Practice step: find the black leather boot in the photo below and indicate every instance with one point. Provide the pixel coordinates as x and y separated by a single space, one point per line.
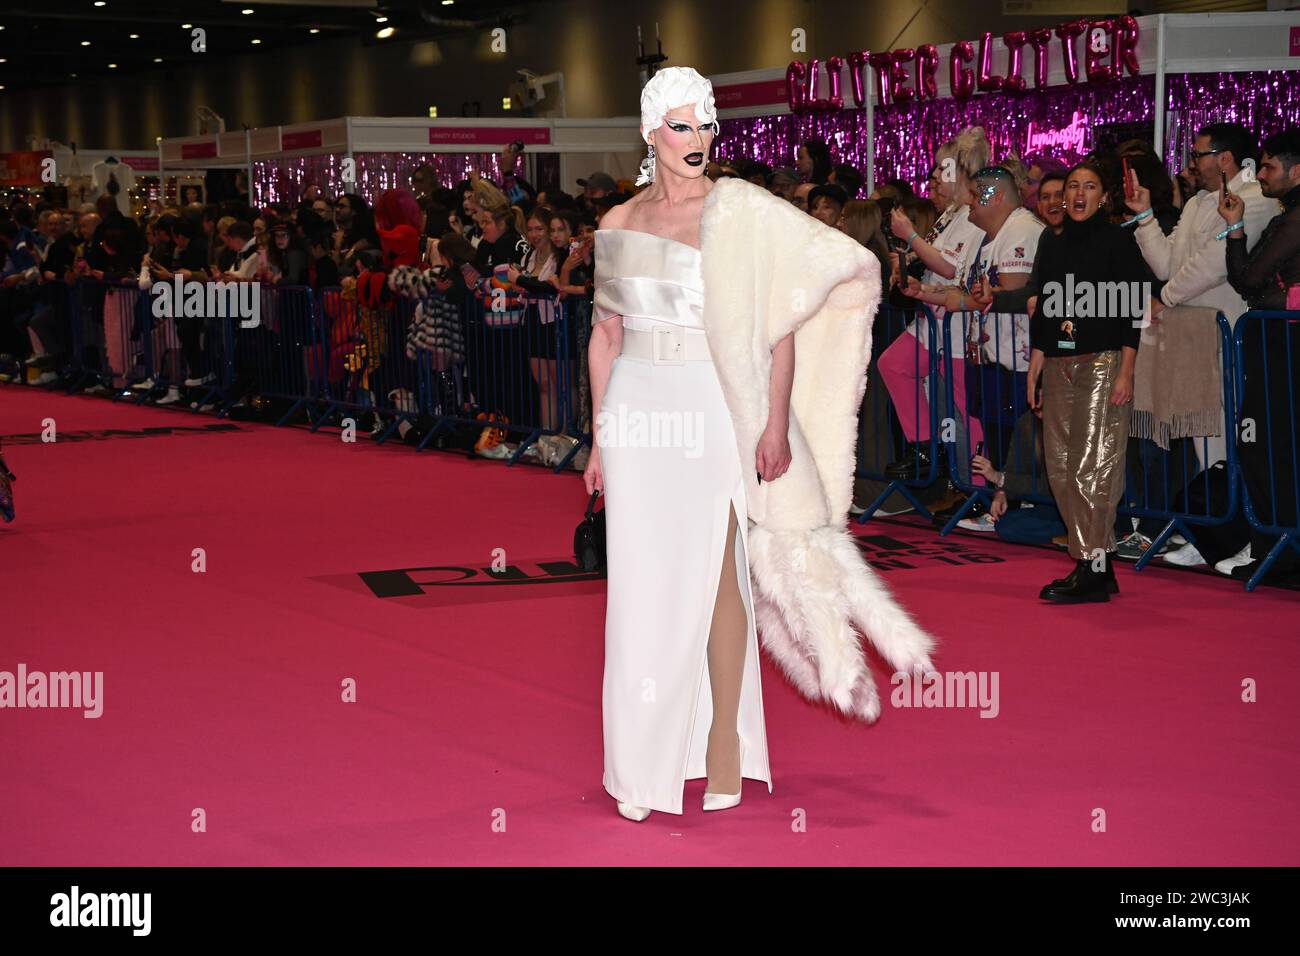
1112 586
912 465
1083 585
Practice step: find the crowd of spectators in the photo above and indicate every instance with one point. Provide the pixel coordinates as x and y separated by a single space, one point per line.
1221 236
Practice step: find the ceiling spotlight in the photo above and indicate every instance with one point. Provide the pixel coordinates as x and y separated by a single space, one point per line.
133 36
157 59
381 19
3 60
255 41
112 66
314 30
385 33
85 43
1 86
447 3
247 11
186 26
100 3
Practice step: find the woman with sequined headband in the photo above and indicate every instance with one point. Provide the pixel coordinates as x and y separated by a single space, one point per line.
723 514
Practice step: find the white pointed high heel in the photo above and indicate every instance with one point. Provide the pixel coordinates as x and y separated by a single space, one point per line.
724 801
633 812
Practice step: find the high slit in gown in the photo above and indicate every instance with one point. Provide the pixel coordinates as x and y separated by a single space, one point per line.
671 470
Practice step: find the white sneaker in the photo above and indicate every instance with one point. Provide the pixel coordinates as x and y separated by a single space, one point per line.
982 523
1239 559
1177 540
46 377
196 382
173 395
1185 557
143 386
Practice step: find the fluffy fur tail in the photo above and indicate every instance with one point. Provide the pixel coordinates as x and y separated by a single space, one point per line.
811 589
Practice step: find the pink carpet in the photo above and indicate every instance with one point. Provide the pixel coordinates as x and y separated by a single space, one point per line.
481 702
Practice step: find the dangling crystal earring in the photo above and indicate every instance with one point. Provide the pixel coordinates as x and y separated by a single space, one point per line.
647 168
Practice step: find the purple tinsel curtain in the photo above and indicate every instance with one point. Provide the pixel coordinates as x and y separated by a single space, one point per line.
906 136
1265 103
283 180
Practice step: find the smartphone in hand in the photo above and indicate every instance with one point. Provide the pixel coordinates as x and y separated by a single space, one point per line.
1128 182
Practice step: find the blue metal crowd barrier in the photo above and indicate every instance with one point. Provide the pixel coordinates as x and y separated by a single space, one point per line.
996 400
325 354
1267 347
881 434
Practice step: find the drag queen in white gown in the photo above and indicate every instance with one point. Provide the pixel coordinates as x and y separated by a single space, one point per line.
682 697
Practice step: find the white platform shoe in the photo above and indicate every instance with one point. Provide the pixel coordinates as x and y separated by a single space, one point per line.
724 801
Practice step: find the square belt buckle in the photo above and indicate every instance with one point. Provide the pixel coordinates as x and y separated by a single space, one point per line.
669 346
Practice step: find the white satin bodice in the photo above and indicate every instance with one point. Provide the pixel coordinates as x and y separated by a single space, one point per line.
648 280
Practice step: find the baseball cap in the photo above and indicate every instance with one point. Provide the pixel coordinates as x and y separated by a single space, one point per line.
600 180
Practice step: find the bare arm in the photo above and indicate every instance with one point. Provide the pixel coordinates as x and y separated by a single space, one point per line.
773 458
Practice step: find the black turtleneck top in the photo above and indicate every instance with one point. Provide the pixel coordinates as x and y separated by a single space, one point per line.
1092 284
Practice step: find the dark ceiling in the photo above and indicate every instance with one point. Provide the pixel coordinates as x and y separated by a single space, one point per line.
46 42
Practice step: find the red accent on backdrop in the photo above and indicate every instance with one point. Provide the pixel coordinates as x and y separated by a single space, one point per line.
740 95
302 139
22 169
488 135
198 150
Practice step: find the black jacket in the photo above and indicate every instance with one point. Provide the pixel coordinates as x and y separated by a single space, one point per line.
1255 274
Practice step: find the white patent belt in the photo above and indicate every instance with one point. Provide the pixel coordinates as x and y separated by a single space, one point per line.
667 345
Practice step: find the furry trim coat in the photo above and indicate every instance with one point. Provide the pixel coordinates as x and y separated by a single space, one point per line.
770 269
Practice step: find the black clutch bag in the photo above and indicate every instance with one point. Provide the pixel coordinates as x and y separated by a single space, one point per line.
589 538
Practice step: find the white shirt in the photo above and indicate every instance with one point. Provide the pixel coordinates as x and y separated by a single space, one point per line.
958 244
1192 261
100 174
1011 251
545 307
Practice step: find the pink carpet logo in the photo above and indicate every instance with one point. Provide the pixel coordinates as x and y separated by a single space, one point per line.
83 690
956 689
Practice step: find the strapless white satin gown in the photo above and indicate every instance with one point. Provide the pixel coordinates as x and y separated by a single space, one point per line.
666 523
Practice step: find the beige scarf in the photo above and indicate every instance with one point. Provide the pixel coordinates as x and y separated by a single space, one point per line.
1178 382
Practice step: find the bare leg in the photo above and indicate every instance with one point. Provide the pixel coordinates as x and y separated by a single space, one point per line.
728 632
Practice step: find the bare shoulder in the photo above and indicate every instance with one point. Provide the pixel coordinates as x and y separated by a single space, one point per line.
620 216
